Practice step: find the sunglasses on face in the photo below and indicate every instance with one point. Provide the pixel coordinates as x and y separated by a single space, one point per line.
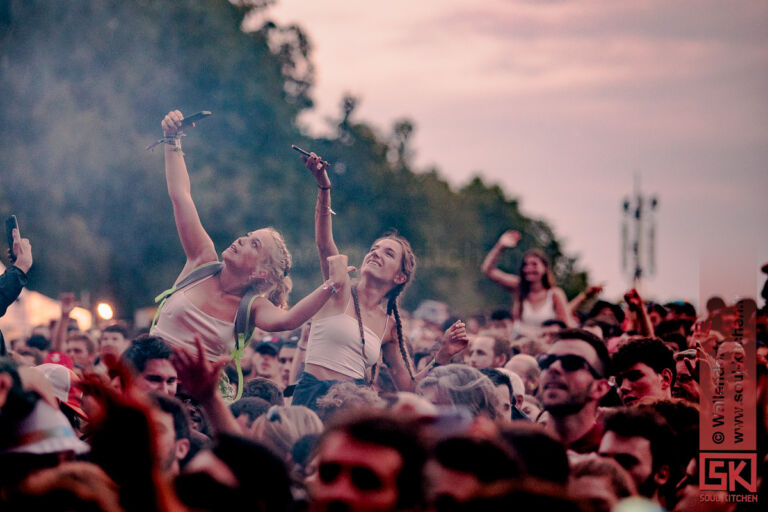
569 362
364 479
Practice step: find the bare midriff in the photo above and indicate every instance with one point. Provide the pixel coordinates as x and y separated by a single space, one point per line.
323 373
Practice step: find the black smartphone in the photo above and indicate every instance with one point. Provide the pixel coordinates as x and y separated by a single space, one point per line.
11 223
299 150
187 121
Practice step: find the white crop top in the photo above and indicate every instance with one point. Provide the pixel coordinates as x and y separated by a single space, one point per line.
180 320
531 320
334 343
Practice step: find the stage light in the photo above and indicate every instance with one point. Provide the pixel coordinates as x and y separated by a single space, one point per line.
104 311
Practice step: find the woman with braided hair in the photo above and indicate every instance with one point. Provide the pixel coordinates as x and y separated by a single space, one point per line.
361 323
255 265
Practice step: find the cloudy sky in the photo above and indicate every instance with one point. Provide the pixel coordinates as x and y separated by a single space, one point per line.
563 103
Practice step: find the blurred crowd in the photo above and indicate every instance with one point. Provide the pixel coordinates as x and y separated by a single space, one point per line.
594 406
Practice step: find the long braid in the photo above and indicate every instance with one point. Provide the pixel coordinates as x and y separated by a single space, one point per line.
356 303
392 307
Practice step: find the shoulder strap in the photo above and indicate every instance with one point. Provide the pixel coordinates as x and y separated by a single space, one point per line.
206 269
243 335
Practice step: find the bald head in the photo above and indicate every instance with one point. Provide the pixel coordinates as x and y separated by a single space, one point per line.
528 369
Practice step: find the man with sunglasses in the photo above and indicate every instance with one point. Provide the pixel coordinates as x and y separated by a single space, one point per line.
574 378
368 464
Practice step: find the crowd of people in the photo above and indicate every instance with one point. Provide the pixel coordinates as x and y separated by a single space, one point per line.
344 402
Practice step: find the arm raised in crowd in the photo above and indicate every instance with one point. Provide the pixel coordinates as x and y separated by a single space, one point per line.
198 246
508 240
200 378
15 277
323 224
271 318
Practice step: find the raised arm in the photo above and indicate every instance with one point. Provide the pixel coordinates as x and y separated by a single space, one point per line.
639 314
509 281
271 318
323 224
197 245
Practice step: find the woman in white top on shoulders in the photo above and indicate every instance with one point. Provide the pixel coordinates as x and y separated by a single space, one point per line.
362 320
537 299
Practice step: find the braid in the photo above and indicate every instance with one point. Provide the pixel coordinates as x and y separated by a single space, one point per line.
356 303
392 306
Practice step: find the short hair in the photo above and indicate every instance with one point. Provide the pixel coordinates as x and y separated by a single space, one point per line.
646 423
501 314
602 304
144 348
462 385
487 460
282 426
499 378
178 410
252 406
401 435
347 396
118 328
263 388
715 302
90 346
541 454
619 480
678 339
39 342
593 341
287 344
650 351
502 346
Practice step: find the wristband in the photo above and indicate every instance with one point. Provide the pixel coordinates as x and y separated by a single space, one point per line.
324 188
329 285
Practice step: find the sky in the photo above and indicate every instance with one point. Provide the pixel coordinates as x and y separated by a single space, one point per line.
566 105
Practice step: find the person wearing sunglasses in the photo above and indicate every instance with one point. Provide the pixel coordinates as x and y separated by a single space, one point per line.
574 377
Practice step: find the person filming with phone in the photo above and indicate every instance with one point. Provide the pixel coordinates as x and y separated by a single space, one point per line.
15 276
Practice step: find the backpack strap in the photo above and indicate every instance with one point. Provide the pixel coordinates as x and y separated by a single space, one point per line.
204 270
243 335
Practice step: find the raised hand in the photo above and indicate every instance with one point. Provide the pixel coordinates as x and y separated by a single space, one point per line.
68 303
23 251
199 376
317 166
633 300
454 341
594 290
171 123
509 239
338 270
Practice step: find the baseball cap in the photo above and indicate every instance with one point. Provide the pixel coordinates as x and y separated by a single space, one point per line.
66 385
267 347
45 430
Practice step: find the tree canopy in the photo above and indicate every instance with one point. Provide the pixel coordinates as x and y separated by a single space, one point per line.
84 85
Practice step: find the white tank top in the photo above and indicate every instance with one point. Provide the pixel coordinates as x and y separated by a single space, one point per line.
180 320
531 320
334 343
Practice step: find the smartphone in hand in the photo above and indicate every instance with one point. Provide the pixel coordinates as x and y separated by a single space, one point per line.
11 223
300 151
188 121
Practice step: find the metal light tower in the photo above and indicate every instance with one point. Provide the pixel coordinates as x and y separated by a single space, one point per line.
639 216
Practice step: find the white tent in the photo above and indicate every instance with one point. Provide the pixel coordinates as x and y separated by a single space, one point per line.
33 308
